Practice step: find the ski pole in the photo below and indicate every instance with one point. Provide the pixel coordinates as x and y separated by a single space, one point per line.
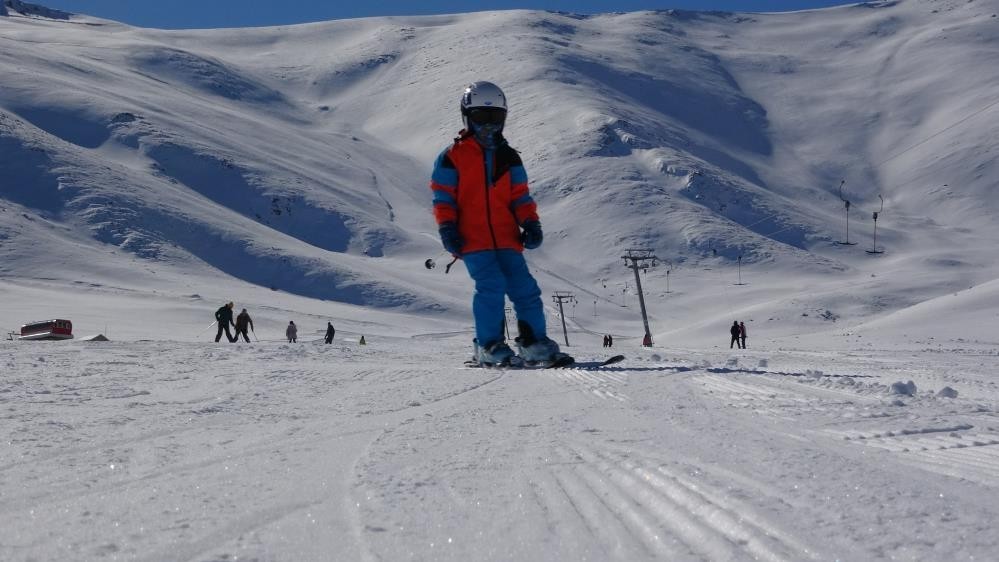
209 327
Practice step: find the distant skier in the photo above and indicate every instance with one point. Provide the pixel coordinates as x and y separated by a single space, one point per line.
243 321
329 332
610 340
647 340
735 331
742 334
291 332
223 316
486 216
606 343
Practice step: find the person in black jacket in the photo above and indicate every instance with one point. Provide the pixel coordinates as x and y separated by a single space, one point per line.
736 332
224 318
329 332
243 321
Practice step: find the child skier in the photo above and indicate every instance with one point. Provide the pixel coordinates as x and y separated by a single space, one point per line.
486 216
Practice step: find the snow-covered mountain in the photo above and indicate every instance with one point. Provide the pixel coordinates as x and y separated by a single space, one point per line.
289 165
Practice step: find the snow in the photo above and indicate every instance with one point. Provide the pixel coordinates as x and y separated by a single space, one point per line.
148 176
195 451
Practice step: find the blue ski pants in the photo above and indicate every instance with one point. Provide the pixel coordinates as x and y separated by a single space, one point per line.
497 274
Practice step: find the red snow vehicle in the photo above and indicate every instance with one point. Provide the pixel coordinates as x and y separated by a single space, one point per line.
47 330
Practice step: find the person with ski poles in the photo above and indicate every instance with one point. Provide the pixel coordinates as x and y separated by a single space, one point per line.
291 332
223 316
243 321
486 216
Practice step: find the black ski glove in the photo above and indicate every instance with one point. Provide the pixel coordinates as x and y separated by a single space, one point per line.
532 236
451 238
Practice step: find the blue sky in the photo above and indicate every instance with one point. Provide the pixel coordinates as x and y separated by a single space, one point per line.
240 13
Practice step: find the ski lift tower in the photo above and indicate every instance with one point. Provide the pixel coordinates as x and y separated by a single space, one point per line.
846 203
641 259
560 297
874 249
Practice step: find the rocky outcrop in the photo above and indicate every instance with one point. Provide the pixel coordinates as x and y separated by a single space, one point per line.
24 8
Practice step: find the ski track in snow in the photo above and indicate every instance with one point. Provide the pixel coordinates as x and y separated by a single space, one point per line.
645 509
603 385
960 451
173 451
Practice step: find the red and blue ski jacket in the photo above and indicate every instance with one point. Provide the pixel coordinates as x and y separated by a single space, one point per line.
485 192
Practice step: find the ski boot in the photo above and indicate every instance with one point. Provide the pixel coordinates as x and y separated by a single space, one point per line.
497 354
543 353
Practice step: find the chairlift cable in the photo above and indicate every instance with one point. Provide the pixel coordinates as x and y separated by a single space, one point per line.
938 133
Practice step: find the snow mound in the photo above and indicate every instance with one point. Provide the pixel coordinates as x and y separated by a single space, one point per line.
98 337
947 392
903 388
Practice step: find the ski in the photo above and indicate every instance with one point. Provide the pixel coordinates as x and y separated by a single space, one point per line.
566 362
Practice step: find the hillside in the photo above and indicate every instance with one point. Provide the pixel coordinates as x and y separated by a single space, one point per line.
287 166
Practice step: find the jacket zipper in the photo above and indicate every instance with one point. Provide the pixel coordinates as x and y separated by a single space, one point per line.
488 183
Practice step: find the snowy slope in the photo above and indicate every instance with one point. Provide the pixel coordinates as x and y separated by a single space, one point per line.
172 451
148 176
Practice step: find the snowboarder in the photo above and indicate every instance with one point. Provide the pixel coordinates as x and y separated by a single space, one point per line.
742 334
223 316
243 321
735 331
291 332
486 216
329 332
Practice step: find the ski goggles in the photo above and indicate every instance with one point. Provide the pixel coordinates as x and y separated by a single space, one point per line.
487 115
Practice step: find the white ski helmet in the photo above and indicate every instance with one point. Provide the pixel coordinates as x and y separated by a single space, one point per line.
481 95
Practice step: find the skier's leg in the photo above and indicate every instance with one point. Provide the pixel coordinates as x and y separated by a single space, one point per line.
490 289
218 336
525 295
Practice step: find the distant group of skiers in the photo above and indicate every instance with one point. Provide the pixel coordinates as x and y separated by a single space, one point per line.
608 341
223 317
738 331
243 324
